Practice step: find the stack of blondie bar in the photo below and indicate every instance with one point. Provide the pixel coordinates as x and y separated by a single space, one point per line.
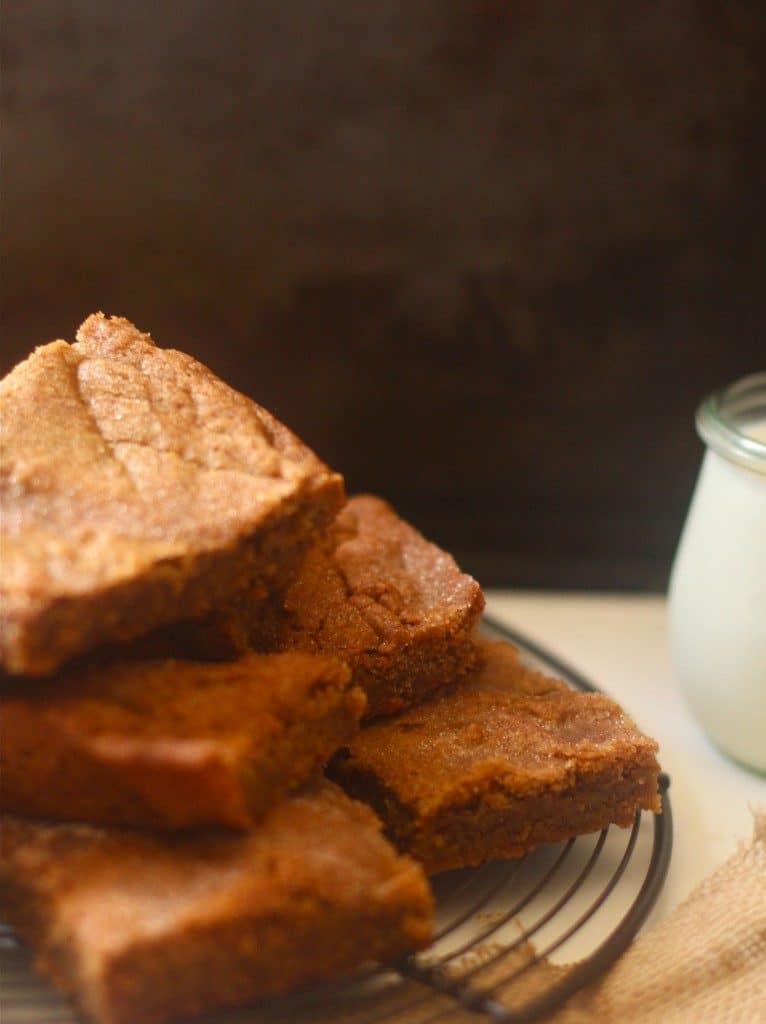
241 717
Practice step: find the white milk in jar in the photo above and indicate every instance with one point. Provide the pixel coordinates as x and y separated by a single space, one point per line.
717 599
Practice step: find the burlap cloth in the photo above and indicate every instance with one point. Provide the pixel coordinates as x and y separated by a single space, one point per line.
705 963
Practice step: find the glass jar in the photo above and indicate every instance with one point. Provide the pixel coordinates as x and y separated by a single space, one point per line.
717 598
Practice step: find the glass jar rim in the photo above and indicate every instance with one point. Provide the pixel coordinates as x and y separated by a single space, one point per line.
719 421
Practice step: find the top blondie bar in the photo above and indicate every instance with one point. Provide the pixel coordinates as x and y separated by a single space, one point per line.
138 489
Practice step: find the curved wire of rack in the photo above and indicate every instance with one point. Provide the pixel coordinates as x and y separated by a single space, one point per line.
497 927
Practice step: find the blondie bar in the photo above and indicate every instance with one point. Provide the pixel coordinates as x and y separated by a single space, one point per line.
140 927
173 744
139 489
375 593
505 762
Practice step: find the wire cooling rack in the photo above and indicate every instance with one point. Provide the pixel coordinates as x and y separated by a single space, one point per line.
514 939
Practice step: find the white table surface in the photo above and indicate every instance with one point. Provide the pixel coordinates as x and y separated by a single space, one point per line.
619 643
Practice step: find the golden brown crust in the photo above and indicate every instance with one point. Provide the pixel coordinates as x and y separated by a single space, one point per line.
172 744
500 765
377 594
139 489
139 928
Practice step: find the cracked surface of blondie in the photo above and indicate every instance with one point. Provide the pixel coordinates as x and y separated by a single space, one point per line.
139 489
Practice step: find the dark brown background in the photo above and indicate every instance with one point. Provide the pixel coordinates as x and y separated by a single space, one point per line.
484 256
